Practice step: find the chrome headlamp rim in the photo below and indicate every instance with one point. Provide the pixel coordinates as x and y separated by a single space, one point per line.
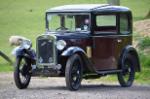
26 44
61 44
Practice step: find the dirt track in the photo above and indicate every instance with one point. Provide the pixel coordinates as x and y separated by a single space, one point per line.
54 88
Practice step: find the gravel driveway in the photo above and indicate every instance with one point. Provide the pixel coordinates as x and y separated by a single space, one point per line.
55 88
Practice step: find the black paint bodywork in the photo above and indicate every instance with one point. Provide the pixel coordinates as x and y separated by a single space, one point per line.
77 42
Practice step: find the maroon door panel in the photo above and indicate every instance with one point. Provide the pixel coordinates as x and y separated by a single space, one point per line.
106 51
103 54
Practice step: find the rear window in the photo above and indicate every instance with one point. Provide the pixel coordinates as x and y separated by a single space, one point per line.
106 24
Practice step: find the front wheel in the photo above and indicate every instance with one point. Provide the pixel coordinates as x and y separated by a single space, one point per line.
73 72
126 77
21 73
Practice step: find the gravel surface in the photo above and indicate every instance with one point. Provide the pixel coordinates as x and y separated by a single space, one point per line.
142 27
55 88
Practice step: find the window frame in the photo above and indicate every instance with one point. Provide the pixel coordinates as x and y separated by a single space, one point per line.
103 22
129 24
73 13
105 33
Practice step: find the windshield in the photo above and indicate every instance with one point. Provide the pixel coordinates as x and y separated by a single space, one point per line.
68 22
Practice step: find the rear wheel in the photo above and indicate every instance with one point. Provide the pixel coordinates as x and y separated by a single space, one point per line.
126 77
73 72
21 74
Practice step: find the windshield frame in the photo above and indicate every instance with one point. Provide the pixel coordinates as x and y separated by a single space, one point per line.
68 13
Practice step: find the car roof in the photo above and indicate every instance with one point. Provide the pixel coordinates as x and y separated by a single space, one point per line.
88 8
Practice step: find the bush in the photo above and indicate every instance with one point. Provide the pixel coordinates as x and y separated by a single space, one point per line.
144 43
144 59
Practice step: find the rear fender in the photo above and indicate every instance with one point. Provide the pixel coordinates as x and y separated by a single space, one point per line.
130 49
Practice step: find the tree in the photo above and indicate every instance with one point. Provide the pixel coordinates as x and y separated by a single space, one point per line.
148 14
113 2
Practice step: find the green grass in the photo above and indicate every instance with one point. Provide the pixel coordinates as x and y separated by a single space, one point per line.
139 8
4 66
26 18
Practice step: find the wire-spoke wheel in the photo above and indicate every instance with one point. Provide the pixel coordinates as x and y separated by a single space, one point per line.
73 72
126 77
21 74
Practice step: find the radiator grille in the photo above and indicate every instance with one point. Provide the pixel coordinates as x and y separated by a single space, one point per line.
45 51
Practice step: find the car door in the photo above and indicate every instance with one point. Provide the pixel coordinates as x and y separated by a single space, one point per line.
112 33
105 41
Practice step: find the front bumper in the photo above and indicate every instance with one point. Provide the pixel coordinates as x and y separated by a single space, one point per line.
47 71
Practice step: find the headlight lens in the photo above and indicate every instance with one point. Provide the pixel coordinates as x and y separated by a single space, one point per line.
26 44
61 44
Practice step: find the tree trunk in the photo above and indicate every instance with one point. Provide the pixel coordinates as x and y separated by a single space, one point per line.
6 57
113 2
148 15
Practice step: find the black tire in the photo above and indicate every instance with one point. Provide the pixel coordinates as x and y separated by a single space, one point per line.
126 77
21 73
73 72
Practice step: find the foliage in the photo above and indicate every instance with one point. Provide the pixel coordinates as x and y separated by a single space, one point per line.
144 51
144 43
145 61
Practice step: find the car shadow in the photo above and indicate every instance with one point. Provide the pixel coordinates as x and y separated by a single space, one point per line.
48 88
95 87
104 87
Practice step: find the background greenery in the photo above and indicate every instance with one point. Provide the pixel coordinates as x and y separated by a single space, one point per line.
26 18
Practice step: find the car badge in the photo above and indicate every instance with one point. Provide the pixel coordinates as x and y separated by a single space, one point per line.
43 44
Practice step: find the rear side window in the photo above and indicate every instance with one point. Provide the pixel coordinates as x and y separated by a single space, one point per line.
106 20
106 24
124 24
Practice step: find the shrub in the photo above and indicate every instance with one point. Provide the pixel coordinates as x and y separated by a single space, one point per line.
144 43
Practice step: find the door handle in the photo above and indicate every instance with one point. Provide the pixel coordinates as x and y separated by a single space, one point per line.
119 40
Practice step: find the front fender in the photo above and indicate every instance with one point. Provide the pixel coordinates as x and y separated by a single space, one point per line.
72 50
20 52
130 49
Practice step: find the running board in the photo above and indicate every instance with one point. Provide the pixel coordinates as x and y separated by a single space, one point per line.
102 72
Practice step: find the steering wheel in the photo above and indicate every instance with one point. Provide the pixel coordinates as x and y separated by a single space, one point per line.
62 28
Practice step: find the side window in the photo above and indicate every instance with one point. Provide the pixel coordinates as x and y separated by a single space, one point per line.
124 24
82 22
106 24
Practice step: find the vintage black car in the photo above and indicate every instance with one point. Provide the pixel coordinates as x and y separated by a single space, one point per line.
81 41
